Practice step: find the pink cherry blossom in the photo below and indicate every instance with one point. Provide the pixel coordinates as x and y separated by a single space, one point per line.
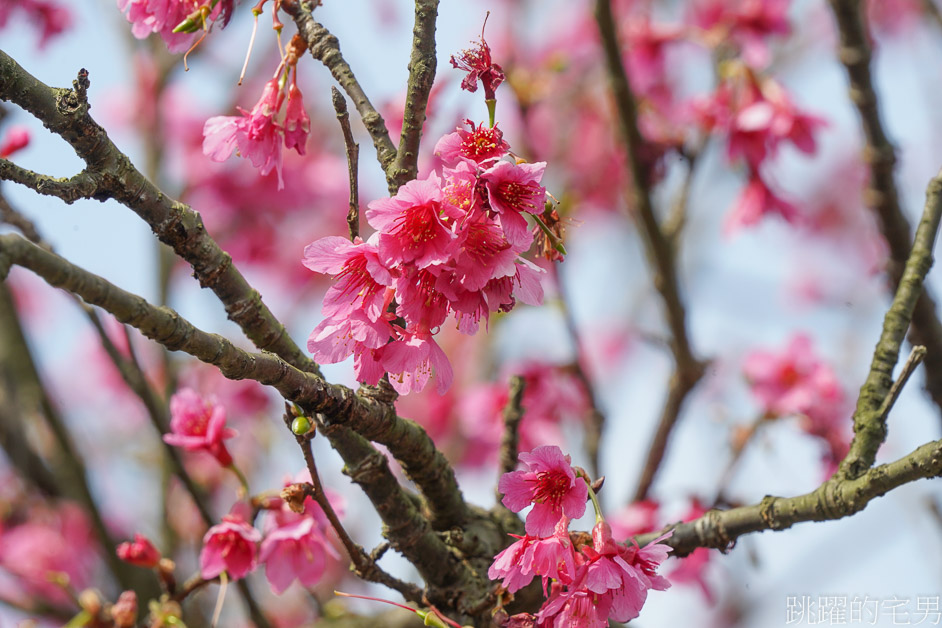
531 556
296 550
162 16
480 145
412 224
476 61
198 425
297 122
124 611
360 278
15 139
550 484
257 134
230 546
49 17
482 253
568 608
140 552
410 363
755 202
513 189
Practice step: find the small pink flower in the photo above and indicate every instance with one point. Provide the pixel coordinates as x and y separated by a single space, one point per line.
477 63
550 484
513 189
412 224
482 253
756 202
297 122
16 139
230 546
480 145
140 552
296 550
360 278
198 425
572 607
162 16
410 363
257 135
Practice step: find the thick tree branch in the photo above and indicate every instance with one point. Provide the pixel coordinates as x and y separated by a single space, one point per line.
687 368
65 112
422 65
869 420
325 48
835 499
882 195
408 531
365 566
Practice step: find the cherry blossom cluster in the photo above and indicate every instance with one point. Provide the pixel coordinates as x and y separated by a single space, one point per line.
175 21
444 245
261 134
795 381
587 582
756 116
49 17
294 544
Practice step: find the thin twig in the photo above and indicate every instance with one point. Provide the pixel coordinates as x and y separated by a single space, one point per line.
353 161
687 368
325 48
513 414
596 426
365 567
916 356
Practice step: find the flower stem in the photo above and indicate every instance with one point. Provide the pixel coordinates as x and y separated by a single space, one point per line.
491 110
595 503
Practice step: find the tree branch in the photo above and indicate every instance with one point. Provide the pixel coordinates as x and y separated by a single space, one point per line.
65 112
835 499
353 161
408 531
869 422
325 48
687 369
882 195
422 65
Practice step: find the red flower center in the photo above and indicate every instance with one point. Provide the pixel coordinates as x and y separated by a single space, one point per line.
551 486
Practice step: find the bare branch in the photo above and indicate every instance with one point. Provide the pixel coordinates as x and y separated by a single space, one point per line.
325 48
422 65
882 195
687 369
353 161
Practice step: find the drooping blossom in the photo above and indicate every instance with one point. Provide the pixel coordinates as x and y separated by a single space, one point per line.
295 546
198 425
550 484
50 18
412 224
480 145
15 139
530 556
256 134
230 546
140 552
477 62
297 122
410 362
755 202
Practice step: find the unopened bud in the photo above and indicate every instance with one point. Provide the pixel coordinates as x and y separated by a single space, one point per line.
90 602
294 495
301 425
124 611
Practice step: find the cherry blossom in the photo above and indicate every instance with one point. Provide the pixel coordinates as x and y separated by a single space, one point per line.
230 546
550 484
15 139
198 425
140 552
